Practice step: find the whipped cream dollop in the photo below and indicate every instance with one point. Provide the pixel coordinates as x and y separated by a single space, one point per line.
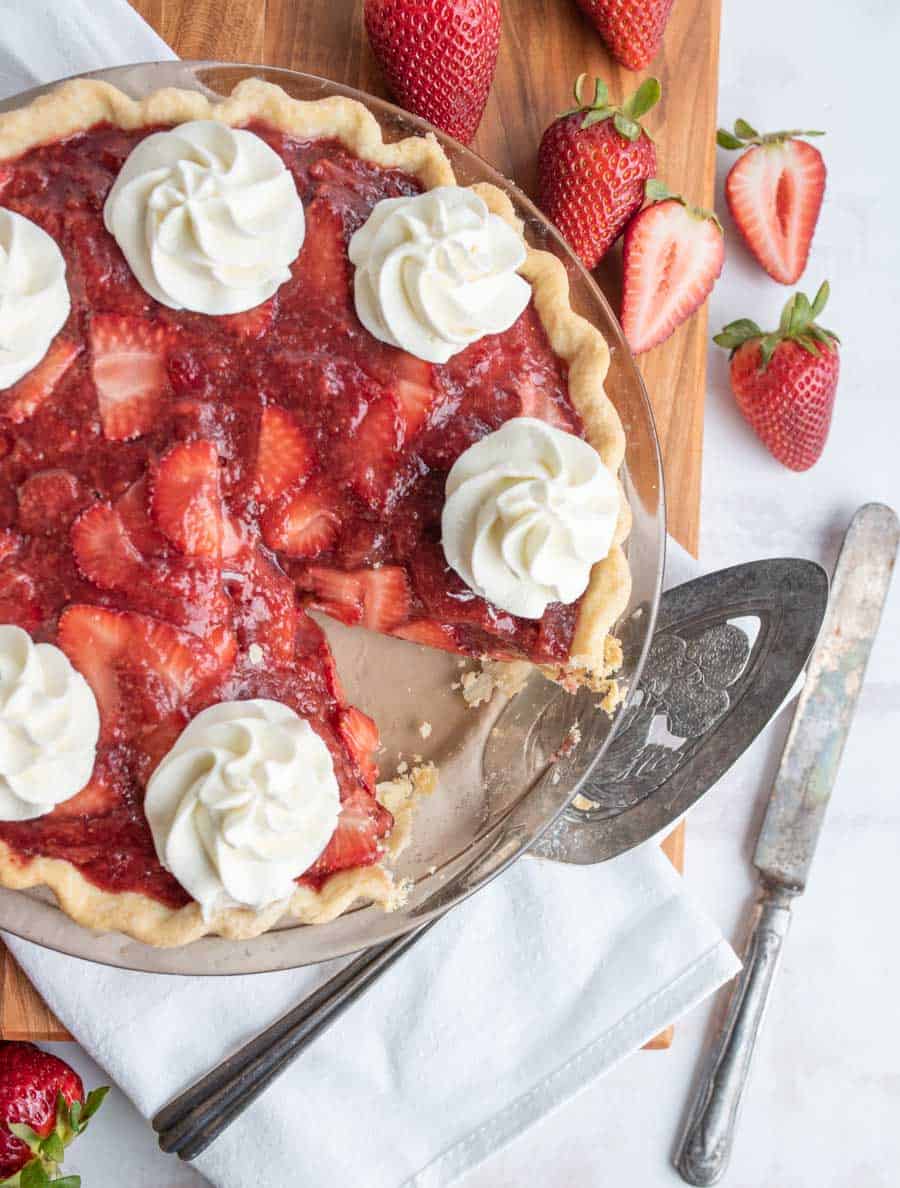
49 726
34 297
245 801
528 510
437 271
207 216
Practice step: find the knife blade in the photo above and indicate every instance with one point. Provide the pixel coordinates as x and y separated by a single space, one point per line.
827 703
792 825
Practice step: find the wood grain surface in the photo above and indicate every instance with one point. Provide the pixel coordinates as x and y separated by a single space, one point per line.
545 45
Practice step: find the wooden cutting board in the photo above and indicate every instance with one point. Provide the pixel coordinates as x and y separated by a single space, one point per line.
545 45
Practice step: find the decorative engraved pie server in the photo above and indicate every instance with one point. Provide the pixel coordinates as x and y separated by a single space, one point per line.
793 822
727 650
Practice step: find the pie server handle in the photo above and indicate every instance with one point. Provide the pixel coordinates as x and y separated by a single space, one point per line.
194 1119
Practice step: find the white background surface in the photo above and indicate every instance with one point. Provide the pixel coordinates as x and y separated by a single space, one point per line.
823 1106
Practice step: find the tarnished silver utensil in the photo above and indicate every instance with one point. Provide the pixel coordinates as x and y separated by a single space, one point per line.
792 825
727 650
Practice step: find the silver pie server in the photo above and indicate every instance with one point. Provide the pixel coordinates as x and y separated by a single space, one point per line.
792 825
728 648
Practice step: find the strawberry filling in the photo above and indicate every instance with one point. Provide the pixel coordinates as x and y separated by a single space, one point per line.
177 490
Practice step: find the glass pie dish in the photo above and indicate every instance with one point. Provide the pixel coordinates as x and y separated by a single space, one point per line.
507 768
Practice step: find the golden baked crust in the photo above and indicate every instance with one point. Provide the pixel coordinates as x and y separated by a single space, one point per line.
80 104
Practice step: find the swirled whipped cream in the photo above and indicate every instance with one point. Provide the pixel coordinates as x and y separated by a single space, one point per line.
49 726
528 510
34 297
207 216
437 271
245 801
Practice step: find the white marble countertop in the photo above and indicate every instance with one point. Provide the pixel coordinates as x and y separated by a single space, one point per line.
825 1095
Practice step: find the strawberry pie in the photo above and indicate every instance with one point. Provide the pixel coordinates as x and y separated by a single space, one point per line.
257 363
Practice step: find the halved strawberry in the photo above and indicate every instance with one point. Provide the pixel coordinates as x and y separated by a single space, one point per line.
186 503
139 668
428 632
24 399
774 193
375 598
360 735
284 456
361 824
252 323
129 369
104 552
673 254
303 525
49 500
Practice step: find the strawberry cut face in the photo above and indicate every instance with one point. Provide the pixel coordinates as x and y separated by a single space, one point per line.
180 490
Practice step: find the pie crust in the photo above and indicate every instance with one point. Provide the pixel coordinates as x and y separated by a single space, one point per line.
78 105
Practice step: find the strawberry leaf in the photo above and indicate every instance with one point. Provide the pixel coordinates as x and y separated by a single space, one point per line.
656 190
601 93
93 1103
53 1148
646 96
66 1182
725 140
34 1175
595 117
821 299
29 1137
75 1116
744 130
626 127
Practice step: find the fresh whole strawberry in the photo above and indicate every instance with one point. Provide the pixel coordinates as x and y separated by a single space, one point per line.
593 164
785 381
774 193
673 254
632 29
438 57
42 1108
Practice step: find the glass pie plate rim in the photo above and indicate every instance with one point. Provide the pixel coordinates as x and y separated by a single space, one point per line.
35 916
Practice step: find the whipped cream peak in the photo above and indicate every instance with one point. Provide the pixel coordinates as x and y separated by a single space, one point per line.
49 726
529 509
244 802
207 216
34 297
437 271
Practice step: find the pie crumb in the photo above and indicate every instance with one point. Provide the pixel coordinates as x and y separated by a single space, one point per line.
255 654
582 802
400 797
425 729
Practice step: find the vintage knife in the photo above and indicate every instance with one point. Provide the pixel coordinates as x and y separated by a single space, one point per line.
792 824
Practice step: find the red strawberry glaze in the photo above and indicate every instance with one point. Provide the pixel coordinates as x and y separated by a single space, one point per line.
163 509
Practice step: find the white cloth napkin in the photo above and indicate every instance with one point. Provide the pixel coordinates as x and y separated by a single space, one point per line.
541 982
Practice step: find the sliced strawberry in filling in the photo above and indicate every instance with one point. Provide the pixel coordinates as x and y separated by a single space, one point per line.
430 633
284 457
140 669
360 734
302 525
49 500
374 598
355 841
33 390
129 370
186 503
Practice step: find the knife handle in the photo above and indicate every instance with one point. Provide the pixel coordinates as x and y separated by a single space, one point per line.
705 1146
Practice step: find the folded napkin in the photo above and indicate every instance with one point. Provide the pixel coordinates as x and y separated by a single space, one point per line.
541 982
